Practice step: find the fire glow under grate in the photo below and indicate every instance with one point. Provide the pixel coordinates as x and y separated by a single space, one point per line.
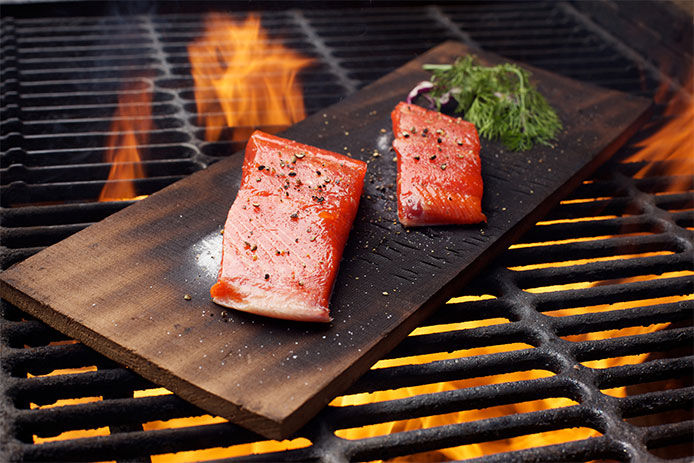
575 345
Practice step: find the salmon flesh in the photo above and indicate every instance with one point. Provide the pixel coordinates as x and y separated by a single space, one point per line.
439 170
286 230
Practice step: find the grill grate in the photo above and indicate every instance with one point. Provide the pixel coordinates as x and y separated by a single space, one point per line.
567 329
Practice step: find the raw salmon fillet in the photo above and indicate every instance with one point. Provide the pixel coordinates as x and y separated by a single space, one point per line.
287 228
439 169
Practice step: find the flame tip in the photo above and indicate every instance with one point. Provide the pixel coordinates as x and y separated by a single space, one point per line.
243 78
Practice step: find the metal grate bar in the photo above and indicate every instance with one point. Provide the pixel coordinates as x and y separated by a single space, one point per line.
49 389
132 444
635 344
455 369
468 433
583 450
451 401
610 294
657 401
49 421
586 323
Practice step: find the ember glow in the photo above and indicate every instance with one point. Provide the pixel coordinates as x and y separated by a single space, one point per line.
244 79
131 124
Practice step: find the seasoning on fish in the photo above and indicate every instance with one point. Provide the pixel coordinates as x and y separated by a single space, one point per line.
283 213
439 177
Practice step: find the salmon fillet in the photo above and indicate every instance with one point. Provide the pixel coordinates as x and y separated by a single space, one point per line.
286 230
439 178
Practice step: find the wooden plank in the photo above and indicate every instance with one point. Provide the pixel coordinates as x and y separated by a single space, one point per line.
118 285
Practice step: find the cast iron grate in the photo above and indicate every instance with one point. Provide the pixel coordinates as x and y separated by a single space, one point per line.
526 316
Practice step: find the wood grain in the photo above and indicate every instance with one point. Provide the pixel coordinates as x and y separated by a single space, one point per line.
119 285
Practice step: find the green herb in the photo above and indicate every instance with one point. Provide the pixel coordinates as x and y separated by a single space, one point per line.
499 100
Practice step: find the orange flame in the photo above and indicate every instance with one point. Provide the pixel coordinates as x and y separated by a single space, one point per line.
131 124
243 79
674 141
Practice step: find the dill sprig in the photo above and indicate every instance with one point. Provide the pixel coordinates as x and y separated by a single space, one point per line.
499 100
